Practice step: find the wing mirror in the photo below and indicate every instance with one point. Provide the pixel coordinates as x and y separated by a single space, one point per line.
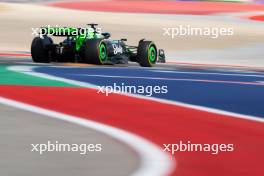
106 35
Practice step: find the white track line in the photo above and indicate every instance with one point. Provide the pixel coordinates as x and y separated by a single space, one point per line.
154 162
171 79
216 65
29 70
211 73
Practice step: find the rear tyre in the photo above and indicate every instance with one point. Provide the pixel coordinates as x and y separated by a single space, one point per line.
95 52
39 51
147 53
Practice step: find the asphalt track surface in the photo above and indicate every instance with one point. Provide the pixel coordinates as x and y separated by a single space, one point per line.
20 129
204 104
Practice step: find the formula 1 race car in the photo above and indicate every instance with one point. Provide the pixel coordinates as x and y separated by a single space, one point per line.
89 45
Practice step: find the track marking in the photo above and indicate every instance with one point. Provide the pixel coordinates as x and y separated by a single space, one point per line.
29 70
209 73
15 54
154 162
173 79
216 65
159 7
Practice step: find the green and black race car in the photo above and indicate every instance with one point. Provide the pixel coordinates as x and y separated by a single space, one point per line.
88 45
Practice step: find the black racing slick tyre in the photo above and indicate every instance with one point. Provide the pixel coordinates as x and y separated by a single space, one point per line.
94 51
39 51
147 53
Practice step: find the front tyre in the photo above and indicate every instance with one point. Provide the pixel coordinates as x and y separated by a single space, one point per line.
95 51
39 51
147 53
